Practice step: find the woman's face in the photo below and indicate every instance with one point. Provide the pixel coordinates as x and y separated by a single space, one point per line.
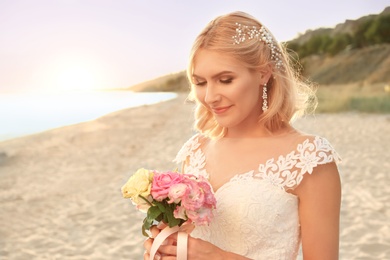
228 89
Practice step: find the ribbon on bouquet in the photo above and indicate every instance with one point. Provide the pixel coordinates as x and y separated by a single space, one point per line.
182 238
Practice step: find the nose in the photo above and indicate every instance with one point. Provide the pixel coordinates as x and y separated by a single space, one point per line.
212 95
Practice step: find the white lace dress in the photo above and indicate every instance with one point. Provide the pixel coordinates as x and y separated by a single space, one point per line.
255 216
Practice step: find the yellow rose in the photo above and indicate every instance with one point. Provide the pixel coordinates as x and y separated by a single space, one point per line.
138 184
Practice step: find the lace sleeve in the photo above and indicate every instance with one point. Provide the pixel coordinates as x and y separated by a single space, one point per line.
185 151
192 157
312 153
287 171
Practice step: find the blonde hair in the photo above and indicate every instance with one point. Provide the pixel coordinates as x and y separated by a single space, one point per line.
288 95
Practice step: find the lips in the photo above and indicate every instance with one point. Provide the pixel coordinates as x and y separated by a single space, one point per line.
220 110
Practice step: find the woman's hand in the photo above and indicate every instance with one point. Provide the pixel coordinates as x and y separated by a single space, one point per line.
155 230
197 249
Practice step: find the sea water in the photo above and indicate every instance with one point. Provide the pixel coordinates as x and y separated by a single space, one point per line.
28 113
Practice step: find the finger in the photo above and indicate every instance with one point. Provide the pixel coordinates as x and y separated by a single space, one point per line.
187 227
155 231
157 256
168 250
168 258
172 239
146 256
161 225
148 244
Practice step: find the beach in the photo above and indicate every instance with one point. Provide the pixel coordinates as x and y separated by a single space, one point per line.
60 189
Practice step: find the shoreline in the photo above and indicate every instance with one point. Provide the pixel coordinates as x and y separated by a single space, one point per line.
60 190
35 113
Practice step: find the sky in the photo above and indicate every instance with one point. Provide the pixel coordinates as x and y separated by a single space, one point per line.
93 44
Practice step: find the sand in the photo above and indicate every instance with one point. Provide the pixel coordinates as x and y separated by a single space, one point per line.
60 190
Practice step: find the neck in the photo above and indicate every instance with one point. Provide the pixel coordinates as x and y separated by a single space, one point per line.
258 131
249 132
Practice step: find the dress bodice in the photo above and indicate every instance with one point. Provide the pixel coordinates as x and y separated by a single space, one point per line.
255 215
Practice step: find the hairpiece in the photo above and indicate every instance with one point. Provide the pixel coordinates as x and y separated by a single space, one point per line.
243 32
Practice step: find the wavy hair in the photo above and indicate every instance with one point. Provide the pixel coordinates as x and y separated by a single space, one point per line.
288 95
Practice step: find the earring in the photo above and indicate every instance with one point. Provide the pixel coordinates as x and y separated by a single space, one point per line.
265 101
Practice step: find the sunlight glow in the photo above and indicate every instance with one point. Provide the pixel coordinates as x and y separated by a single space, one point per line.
74 73
77 78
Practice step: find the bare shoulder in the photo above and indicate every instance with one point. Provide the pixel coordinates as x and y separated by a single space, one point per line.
300 136
319 212
290 139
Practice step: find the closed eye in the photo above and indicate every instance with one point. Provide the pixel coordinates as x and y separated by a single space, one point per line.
200 83
226 81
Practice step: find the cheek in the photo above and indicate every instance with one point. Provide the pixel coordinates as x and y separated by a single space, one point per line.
199 94
249 92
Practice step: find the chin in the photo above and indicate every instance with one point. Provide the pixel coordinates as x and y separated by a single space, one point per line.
225 123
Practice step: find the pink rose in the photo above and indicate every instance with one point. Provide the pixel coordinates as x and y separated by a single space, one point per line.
194 198
199 202
209 200
202 216
177 192
162 183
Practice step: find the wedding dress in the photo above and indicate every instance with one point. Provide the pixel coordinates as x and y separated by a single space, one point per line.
255 215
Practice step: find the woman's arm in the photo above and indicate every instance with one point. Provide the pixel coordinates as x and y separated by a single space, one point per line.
319 212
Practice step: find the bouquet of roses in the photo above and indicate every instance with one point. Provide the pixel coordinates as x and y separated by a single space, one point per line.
171 197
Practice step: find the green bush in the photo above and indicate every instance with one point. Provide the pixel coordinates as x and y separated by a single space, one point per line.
379 104
370 99
374 30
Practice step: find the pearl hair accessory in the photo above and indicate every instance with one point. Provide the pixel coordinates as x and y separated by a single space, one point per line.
244 32
265 101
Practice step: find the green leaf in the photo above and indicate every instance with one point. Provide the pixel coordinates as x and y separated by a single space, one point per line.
144 231
160 217
165 218
175 222
147 223
171 220
161 205
153 212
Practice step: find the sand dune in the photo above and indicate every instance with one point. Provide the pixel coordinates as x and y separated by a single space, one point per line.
60 190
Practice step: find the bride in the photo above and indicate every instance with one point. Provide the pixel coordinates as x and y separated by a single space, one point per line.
277 188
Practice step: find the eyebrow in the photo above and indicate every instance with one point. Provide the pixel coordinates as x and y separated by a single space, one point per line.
216 75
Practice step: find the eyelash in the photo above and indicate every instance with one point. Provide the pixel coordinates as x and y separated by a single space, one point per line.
203 83
226 81
200 83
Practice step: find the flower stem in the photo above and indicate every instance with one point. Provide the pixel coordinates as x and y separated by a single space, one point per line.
142 197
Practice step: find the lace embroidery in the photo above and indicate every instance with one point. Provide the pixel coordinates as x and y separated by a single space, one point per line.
243 176
286 172
197 161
